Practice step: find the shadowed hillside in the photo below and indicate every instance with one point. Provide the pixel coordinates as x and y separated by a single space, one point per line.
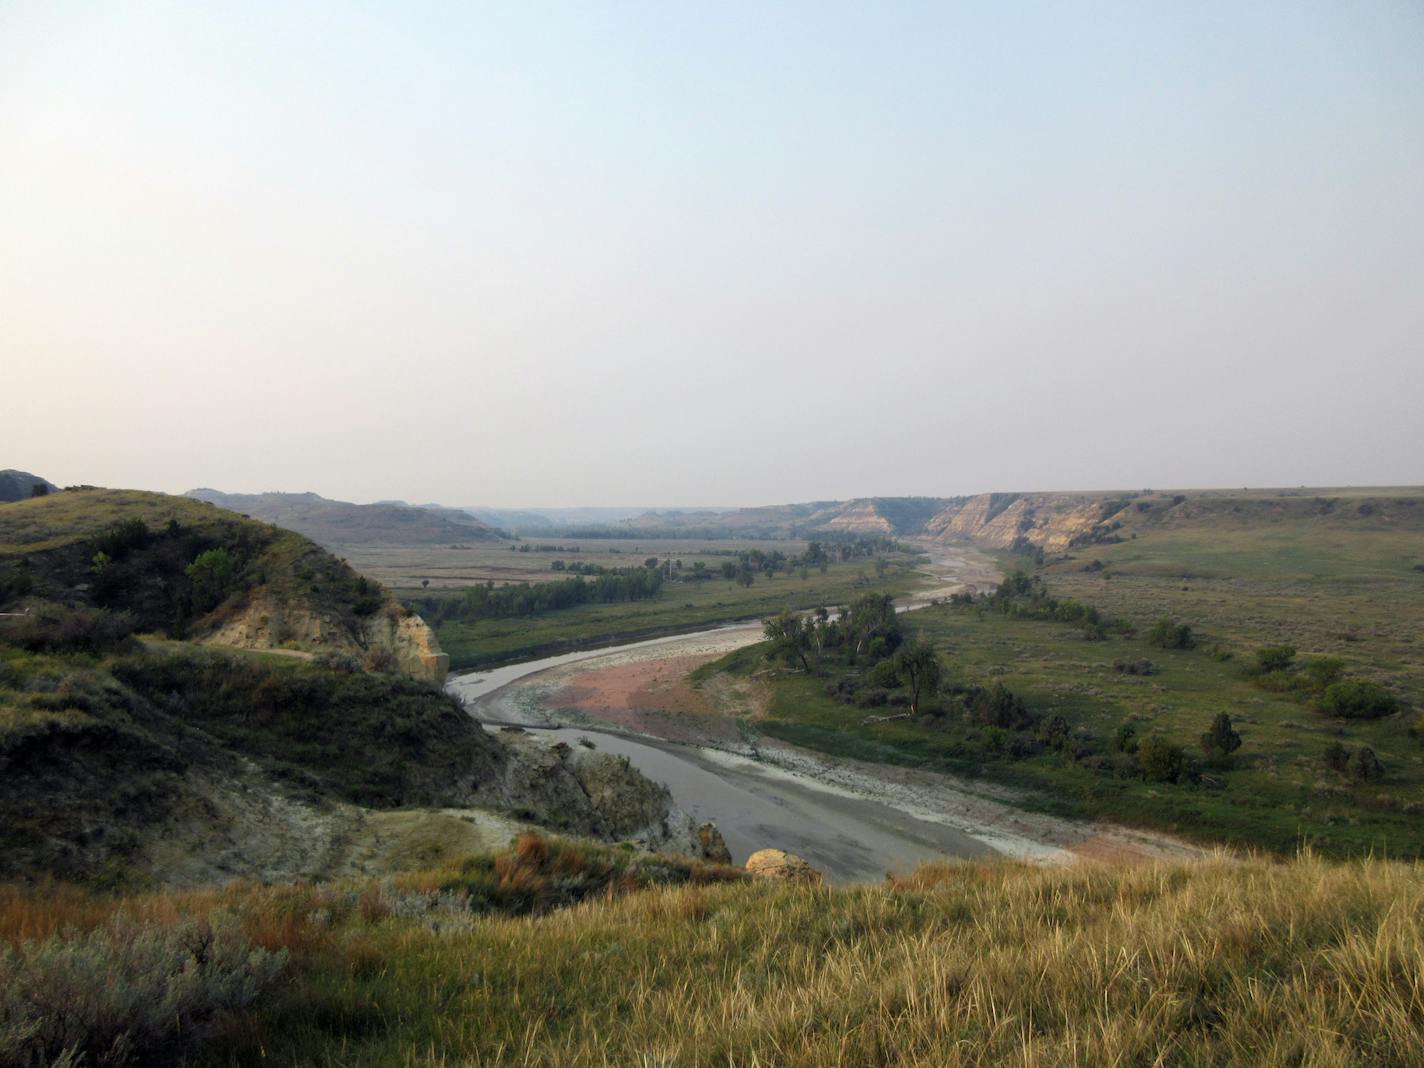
21 485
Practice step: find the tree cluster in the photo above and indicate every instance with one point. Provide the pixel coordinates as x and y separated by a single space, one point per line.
488 601
1024 596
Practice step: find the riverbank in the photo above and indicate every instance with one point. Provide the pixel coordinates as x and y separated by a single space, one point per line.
855 819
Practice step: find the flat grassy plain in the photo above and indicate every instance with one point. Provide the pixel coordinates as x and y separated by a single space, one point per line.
1304 963
403 567
1275 571
681 604
1244 574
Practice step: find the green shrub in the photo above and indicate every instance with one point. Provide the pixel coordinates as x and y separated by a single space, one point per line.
1275 658
1365 766
1161 760
1135 667
1167 633
1336 757
78 630
997 707
1221 740
1358 699
122 538
1322 671
125 994
212 573
1125 738
539 874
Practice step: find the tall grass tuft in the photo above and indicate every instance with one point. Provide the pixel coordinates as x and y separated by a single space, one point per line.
1308 963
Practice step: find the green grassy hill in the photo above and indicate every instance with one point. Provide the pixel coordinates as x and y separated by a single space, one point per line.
137 747
131 551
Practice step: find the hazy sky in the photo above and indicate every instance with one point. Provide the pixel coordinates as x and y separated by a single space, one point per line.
674 253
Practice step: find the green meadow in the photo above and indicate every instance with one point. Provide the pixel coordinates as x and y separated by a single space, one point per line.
1244 575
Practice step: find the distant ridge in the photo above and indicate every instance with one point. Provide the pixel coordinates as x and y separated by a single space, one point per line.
535 520
20 485
336 523
860 516
1053 522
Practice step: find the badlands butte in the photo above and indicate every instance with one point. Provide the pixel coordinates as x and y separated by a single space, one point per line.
1054 522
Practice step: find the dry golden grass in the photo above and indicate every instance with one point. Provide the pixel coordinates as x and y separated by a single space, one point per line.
1222 962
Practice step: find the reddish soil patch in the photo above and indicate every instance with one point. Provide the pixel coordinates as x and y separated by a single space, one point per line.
651 697
640 686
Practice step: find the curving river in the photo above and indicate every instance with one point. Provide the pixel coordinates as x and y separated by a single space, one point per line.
755 805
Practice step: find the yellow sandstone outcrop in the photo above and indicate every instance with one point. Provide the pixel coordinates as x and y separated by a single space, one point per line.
776 864
1051 521
272 621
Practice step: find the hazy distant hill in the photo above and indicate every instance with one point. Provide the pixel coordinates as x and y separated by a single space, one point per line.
20 485
861 516
511 519
336 523
534 521
1050 521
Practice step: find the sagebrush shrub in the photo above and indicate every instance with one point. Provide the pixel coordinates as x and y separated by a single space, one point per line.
126 993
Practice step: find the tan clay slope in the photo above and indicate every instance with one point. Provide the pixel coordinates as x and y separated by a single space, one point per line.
855 517
1051 521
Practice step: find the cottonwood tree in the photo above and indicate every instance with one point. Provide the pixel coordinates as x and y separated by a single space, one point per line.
871 617
919 667
790 637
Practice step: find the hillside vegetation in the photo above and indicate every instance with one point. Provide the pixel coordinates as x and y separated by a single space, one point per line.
137 749
1101 677
176 567
754 583
1302 963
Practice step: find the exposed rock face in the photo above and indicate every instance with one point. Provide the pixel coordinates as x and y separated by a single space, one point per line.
1051 521
412 642
585 792
271 621
856 517
711 845
775 864
268 621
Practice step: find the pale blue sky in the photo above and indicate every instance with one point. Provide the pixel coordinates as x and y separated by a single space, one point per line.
744 253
